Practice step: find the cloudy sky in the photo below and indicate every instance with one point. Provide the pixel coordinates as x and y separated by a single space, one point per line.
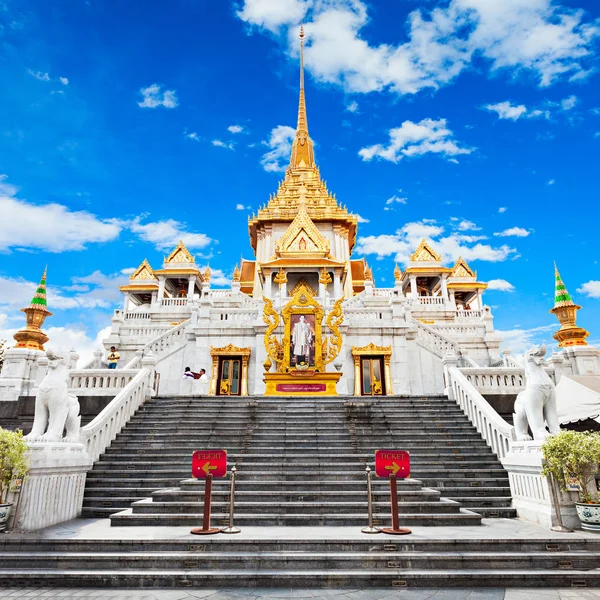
126 126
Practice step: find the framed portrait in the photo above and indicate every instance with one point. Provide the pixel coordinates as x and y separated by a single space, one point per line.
302 340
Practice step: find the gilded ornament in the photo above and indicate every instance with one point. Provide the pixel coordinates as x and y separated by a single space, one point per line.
324 277
281 277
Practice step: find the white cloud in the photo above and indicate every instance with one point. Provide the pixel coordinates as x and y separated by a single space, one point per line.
590 289
153 97
128 270
51 227
518 340
362 219
64 80
352 107
502 209
39 75
551 182
242 207
540 38
466 225
221 144
193 136
218 278
280 148
235 129
165 235
405 241
415 139
506 110
513 232
569 103
395 200
500 285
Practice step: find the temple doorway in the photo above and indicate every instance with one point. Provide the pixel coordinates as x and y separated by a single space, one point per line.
372 380
230 376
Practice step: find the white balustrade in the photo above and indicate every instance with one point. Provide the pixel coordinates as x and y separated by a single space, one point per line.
355 301
461 330
492 427
468 314
234 315
434 341
220 293
496 380
430 300
144 331
130 316
356 316
174 302
383 292
102 381
99 434
167 340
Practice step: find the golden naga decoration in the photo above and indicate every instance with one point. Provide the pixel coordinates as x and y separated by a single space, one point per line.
324 277
272 319
333 344
281 277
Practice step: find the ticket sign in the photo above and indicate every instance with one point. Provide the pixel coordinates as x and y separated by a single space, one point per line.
205 462
392 462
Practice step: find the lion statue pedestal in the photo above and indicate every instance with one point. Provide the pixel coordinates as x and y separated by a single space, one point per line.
53 490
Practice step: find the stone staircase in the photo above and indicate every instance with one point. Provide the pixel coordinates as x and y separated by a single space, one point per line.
300 461
370 562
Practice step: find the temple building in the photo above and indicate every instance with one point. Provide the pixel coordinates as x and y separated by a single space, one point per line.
357 338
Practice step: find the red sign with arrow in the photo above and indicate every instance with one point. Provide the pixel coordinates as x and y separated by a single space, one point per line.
392 462
209 462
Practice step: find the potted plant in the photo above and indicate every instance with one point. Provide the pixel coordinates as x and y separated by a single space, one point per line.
572 458
13 466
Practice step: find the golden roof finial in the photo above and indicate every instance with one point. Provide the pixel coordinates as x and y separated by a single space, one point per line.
302 147
397 273
236 273
32 336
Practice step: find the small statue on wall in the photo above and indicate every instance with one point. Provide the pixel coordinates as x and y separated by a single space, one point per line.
535 406
55 409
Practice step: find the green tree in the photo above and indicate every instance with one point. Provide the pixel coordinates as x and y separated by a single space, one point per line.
13 463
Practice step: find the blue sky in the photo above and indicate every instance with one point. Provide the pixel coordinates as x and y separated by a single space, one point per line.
125 126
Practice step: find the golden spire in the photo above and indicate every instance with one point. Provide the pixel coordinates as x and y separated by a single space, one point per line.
566 312
397 273
302 148
32 336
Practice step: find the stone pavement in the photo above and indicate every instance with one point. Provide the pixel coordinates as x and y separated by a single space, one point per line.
300 594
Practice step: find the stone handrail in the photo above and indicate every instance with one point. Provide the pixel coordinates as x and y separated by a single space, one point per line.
428 300
136 315
435 341
492 427
383 292
99 434
134 363
100 378
220 293
469 314
477 329
174 302
234 314
354 301
166 340
493 380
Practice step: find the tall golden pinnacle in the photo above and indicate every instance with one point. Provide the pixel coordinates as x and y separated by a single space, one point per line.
32 336
566 312
302 147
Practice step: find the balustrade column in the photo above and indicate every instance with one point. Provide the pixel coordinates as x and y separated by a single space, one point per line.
268 283
444 287
190 291
161 290
337 284
413 286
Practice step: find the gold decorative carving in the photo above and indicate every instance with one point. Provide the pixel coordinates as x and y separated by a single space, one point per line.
324 277
302 237
236 274
425 253
371 350
272 345
206 275
180 255
281 277
333 344
397 273
462 269
144 272
302 284
368 273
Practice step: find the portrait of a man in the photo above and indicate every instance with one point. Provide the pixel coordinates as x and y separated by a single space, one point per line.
302 340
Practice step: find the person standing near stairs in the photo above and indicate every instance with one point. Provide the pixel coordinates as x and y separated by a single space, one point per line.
113 358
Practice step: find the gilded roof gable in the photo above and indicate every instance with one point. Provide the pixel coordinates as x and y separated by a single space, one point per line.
302 237
144 272
180 255
425 253
462 269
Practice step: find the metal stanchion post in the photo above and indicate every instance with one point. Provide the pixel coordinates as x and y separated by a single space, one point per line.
370 528
556 501
206 529
395 529
231 528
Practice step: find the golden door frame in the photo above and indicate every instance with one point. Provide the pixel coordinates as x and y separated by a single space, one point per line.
376 352
229 351
303 303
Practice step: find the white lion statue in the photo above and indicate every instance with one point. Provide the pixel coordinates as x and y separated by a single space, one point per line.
535 406
55 409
